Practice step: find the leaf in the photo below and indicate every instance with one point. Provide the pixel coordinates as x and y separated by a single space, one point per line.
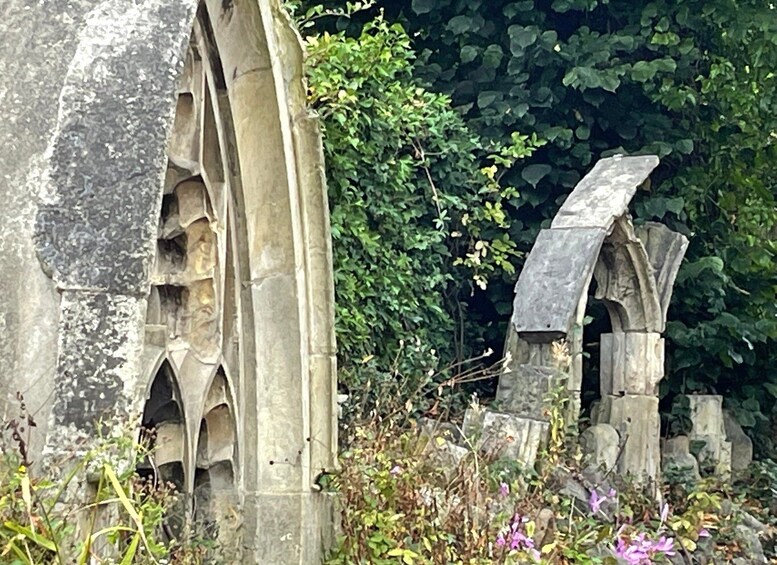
533 174
38 539
468 53
487 97
523 36
132 549
422 6
127 504
642 71
771 388
684 146
460 24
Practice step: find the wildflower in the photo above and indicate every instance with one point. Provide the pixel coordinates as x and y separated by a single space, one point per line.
664 545
595 501
396 470
637 550
514 537
704 533
504 489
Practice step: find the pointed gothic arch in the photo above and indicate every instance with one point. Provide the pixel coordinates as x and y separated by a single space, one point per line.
173 221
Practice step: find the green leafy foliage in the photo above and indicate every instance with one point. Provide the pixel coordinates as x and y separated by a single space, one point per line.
416 200
692 81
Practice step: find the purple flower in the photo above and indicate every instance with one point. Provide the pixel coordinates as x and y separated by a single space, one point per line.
638 550
514 537
664 545
704 533
595 501
396 470
504 489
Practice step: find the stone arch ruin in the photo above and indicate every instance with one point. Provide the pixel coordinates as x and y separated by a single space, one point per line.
166 222
592 237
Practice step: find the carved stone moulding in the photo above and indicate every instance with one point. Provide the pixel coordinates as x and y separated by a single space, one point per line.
164 181
592 237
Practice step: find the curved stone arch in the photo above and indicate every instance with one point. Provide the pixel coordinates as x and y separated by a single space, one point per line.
626 284
592 237
95 186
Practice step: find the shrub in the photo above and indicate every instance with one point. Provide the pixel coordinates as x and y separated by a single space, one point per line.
415 198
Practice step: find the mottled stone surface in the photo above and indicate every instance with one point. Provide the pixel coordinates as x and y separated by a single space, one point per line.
665 249
532 387
601 446
709 433
631 363
604 194
555 275
637 421
677 463
741 444
505 435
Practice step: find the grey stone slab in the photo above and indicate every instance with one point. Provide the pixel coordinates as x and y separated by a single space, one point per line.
96 224
631 363
637 421
741 444
601 444
501 435
100 339
604 194
556 274
524 390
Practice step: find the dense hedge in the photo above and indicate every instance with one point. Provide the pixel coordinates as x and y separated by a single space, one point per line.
416 209
691 80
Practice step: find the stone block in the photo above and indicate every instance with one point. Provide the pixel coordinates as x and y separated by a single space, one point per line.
677 462
741 444
555 276
706 415
445 455
528 395
431 428
505 436
709 434
601 444
636 419
631 363
604 194
665 249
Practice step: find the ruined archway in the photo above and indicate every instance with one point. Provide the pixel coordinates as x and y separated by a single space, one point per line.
172 220
592 236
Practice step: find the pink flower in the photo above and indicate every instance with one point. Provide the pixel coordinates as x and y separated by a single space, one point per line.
504 489
396 470
704 533
664 545
595 501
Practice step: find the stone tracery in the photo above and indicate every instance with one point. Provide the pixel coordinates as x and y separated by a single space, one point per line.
194 303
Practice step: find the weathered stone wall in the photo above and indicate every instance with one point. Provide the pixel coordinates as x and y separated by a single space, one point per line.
87 108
